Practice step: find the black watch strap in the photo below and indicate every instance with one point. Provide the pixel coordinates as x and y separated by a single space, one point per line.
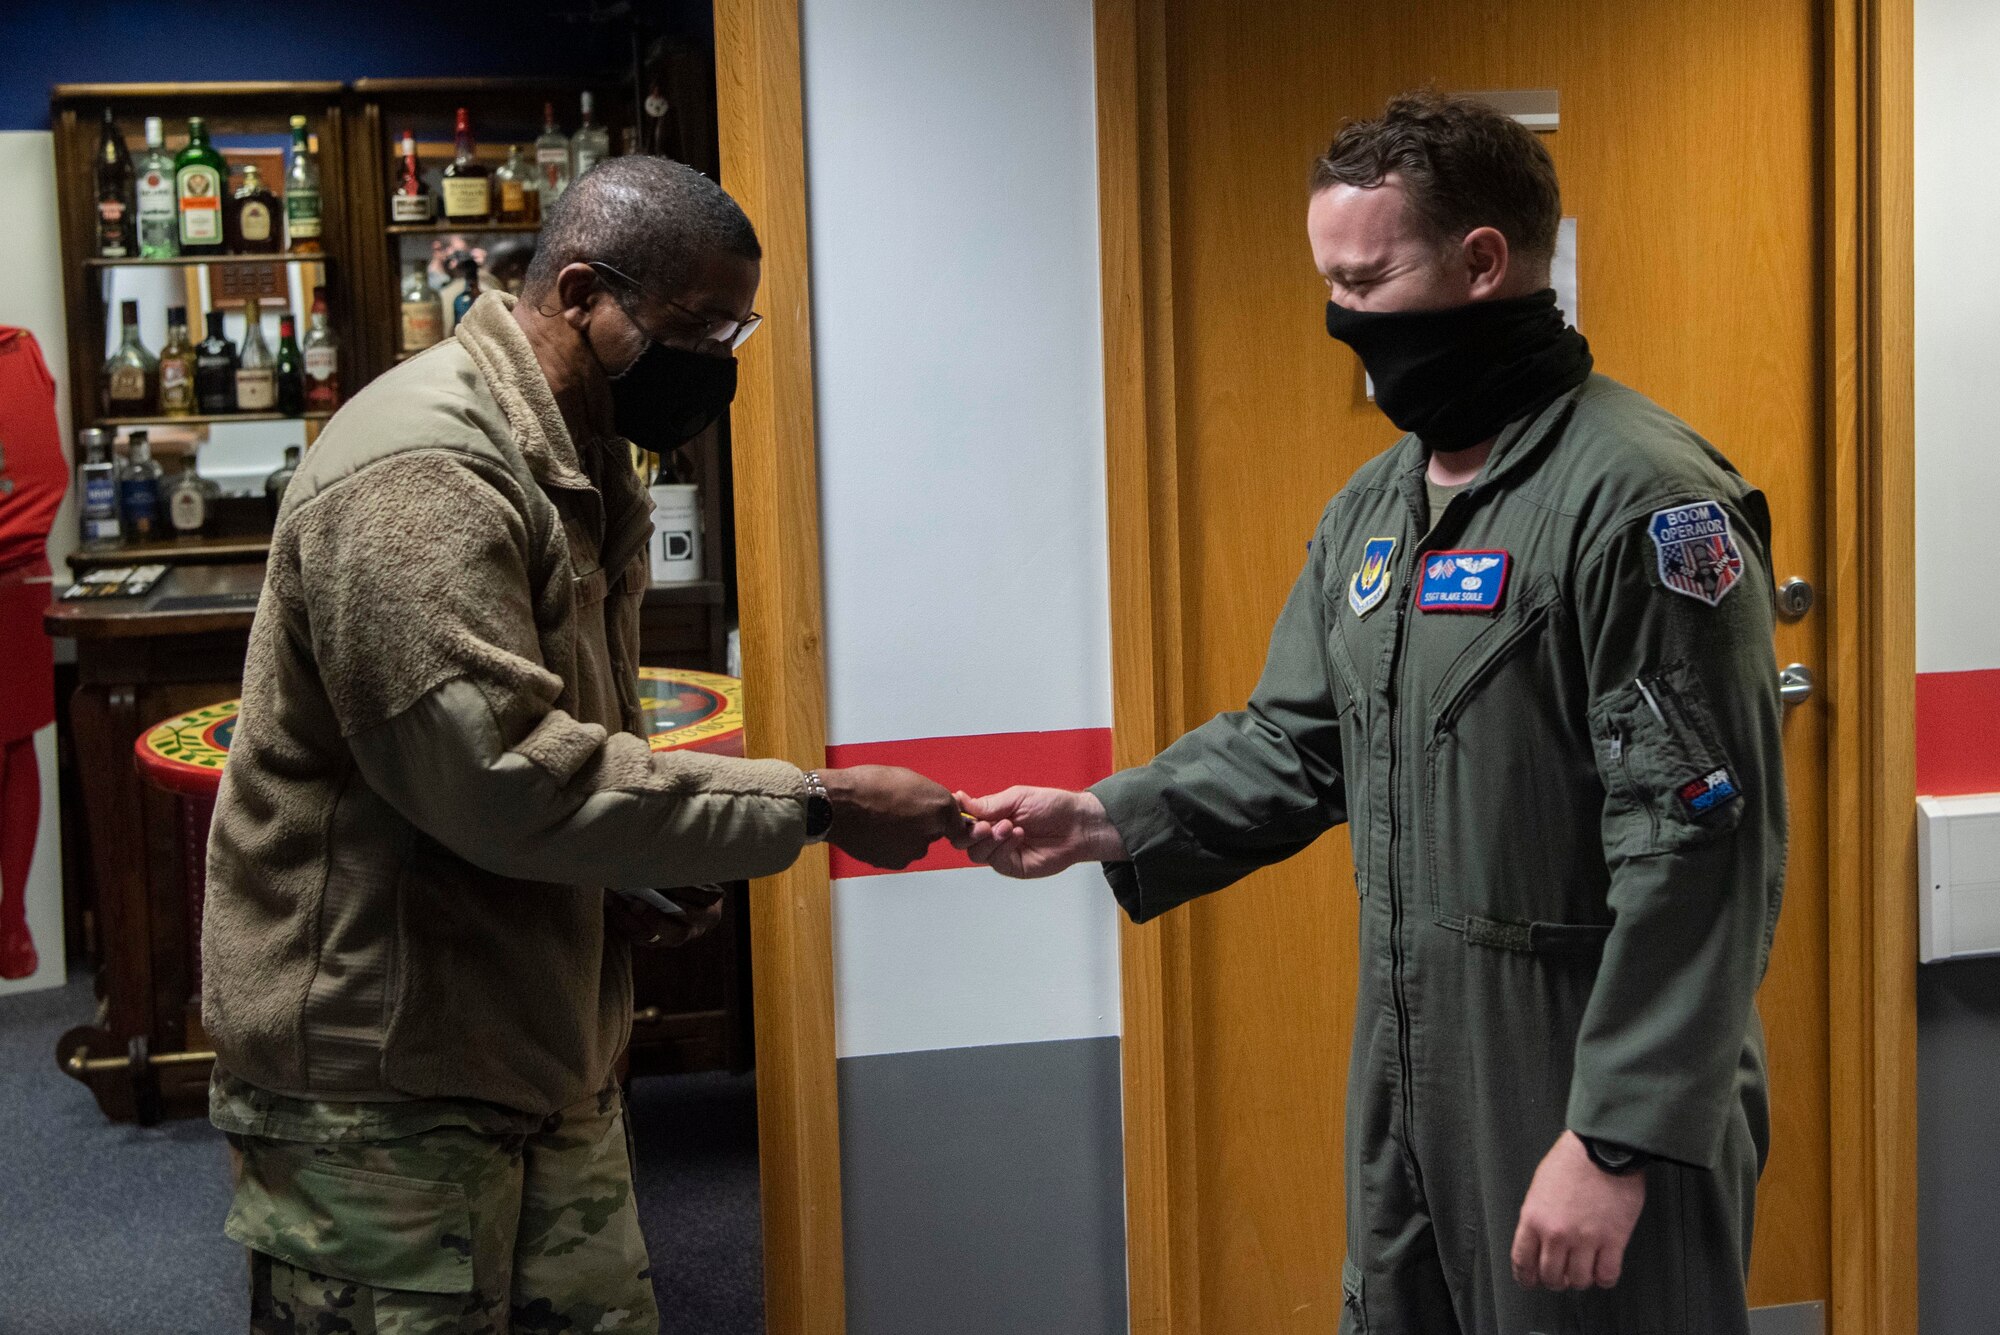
819 809
1617 1160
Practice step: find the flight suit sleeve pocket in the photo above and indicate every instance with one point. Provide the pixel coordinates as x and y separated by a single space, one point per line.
1668 783
403 1234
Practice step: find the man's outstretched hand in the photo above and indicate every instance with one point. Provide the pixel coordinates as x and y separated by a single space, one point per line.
889 817
1032 832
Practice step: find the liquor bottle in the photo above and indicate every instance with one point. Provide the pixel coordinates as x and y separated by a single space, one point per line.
467 181
215 370
423 314
159 234
280 479
131 376
590 145
469 271
662 125
412 201
117 206
99 512
187 500
302 217
290 369
253 216
139 490
256 371
322 359
517 190
199 175
552 157
177 367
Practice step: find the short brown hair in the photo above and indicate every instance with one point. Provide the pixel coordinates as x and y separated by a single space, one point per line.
1463 165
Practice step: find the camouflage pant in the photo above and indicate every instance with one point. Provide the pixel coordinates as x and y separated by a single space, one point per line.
451 1230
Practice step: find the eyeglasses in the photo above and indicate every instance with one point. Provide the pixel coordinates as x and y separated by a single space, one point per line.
719 336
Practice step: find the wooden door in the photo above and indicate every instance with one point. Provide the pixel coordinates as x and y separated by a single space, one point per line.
1690 153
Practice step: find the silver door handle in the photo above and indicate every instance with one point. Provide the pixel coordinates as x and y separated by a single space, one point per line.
1795 683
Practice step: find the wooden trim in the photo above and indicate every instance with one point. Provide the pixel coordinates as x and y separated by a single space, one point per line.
1870 405
1143 479
760 106
156 92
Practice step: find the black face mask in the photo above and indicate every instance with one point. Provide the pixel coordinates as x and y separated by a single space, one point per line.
670 396
1455 377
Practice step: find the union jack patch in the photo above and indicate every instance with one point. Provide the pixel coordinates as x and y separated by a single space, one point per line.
1697 553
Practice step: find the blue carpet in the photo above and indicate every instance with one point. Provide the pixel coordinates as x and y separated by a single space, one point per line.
109 1227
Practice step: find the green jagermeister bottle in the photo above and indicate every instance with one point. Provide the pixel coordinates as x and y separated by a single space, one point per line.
199 177
302 219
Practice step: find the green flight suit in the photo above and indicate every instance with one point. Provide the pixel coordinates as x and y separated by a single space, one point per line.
1563 779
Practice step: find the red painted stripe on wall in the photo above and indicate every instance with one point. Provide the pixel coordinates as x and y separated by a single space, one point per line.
1958 733
980 765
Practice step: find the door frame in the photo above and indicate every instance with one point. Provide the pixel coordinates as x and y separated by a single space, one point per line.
761 124
1867 367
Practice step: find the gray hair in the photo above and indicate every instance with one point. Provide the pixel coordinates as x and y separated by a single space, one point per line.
650 218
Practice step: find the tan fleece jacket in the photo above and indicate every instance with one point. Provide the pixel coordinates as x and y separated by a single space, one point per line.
439 769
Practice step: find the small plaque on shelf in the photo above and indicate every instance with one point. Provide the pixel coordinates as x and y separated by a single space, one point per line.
232 284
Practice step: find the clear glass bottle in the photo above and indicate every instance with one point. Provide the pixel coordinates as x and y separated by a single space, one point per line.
423 313
590 145
322 359
552 157
199 177
517 190
139 491
98 512
290 369
468 182
215 370
159 233
256 369
302 198
187 500
117 207
177 367
131 376
280 479
253 216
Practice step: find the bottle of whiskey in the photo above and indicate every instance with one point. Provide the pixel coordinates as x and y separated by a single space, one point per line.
253 216
467 181
552 157
99 510
590 145
158 232
177 367
302 205
256 370
139 490
412 200
280 479
215 370
423 313
322 359
187 500
517 189
290 369
117 206
199 175
131 376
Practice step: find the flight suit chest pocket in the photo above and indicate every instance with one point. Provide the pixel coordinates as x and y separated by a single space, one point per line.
1668 783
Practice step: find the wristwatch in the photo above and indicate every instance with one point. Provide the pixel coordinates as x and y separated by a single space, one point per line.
1616 1160
819 809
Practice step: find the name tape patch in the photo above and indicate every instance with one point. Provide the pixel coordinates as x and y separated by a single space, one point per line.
1710 792
1698 553
1370 584
1463 581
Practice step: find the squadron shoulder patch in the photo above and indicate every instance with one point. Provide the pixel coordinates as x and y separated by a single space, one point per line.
1697 553
1370 584
1462 581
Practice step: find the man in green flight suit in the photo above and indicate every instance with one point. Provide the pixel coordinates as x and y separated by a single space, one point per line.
1529 663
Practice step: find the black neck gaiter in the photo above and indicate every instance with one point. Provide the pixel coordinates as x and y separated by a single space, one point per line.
1455 377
